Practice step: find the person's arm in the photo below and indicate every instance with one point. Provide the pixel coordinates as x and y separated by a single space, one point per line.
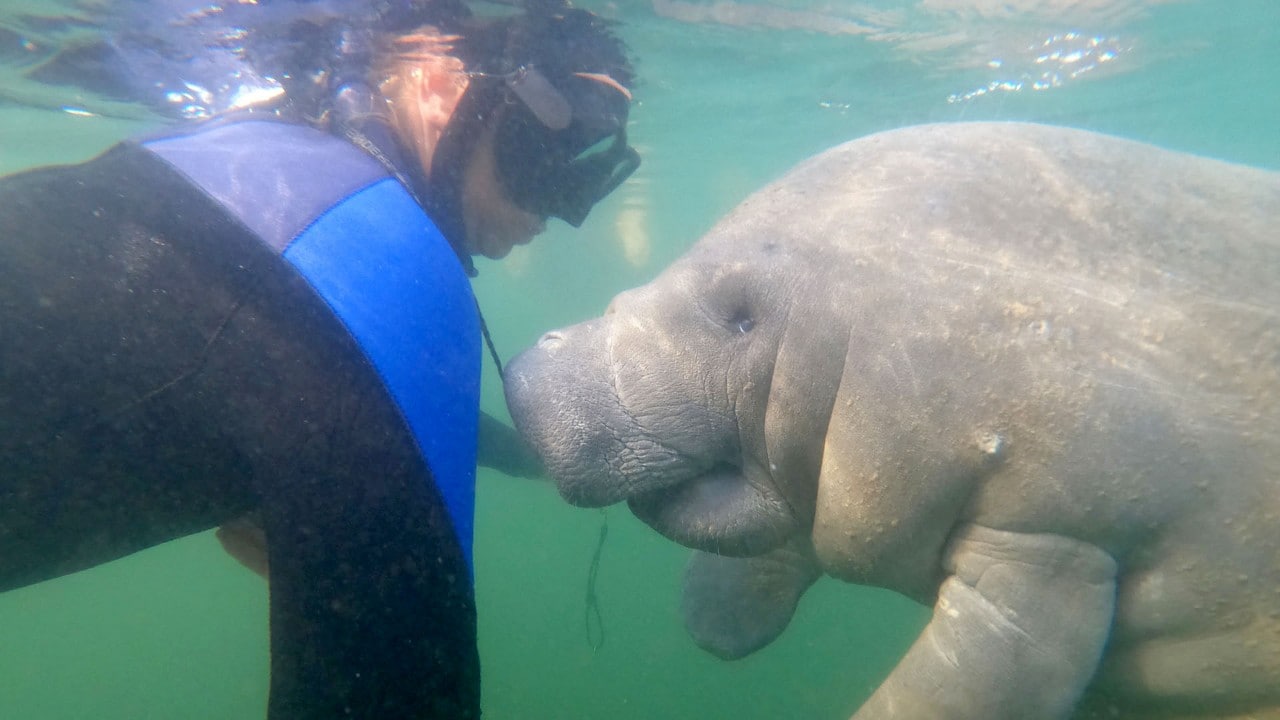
170 373
372 614
502 448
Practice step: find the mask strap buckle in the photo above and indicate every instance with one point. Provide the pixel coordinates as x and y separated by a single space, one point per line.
540 96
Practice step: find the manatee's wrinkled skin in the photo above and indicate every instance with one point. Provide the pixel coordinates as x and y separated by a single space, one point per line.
1026 375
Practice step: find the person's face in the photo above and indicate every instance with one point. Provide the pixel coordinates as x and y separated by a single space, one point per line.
494 224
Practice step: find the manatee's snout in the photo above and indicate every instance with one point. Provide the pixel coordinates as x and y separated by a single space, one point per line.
563 394
563 398
557 399
636 405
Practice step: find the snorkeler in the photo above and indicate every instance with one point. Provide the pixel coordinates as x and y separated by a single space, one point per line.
267 314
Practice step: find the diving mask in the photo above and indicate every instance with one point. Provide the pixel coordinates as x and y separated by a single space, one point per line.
561 150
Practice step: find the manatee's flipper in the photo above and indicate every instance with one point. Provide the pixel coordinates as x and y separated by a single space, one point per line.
1017 631
735 606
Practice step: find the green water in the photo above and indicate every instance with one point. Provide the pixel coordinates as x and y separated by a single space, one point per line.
727 103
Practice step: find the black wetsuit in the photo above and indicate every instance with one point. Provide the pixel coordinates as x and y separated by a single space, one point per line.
251 317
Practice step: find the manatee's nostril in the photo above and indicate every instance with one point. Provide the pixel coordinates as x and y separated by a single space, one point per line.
550 341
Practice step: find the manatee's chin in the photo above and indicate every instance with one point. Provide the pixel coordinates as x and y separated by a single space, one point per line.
719 512
590 493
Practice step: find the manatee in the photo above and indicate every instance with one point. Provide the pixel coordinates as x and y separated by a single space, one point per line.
1027 376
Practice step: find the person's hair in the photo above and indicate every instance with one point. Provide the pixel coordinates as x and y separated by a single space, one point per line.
550 35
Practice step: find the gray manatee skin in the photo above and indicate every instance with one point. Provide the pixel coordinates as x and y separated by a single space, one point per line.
735 606
1028 376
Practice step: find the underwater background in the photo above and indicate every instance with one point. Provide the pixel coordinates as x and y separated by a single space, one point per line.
731 94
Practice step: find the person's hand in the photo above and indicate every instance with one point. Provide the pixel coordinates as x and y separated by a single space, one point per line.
245 540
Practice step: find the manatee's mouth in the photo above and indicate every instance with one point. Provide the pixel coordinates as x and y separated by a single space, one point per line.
722 511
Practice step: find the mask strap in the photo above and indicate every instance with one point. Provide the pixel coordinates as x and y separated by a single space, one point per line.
541 97
537 93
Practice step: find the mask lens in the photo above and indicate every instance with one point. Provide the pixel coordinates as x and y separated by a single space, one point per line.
602 145
590 177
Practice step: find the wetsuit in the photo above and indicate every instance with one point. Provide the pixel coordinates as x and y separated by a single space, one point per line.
251 316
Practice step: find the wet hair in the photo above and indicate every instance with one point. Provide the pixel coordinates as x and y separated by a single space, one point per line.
551 34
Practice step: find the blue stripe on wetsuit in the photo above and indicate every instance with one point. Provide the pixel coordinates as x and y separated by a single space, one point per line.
394 281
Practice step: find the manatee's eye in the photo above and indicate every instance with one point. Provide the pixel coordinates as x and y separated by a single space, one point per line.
742 322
